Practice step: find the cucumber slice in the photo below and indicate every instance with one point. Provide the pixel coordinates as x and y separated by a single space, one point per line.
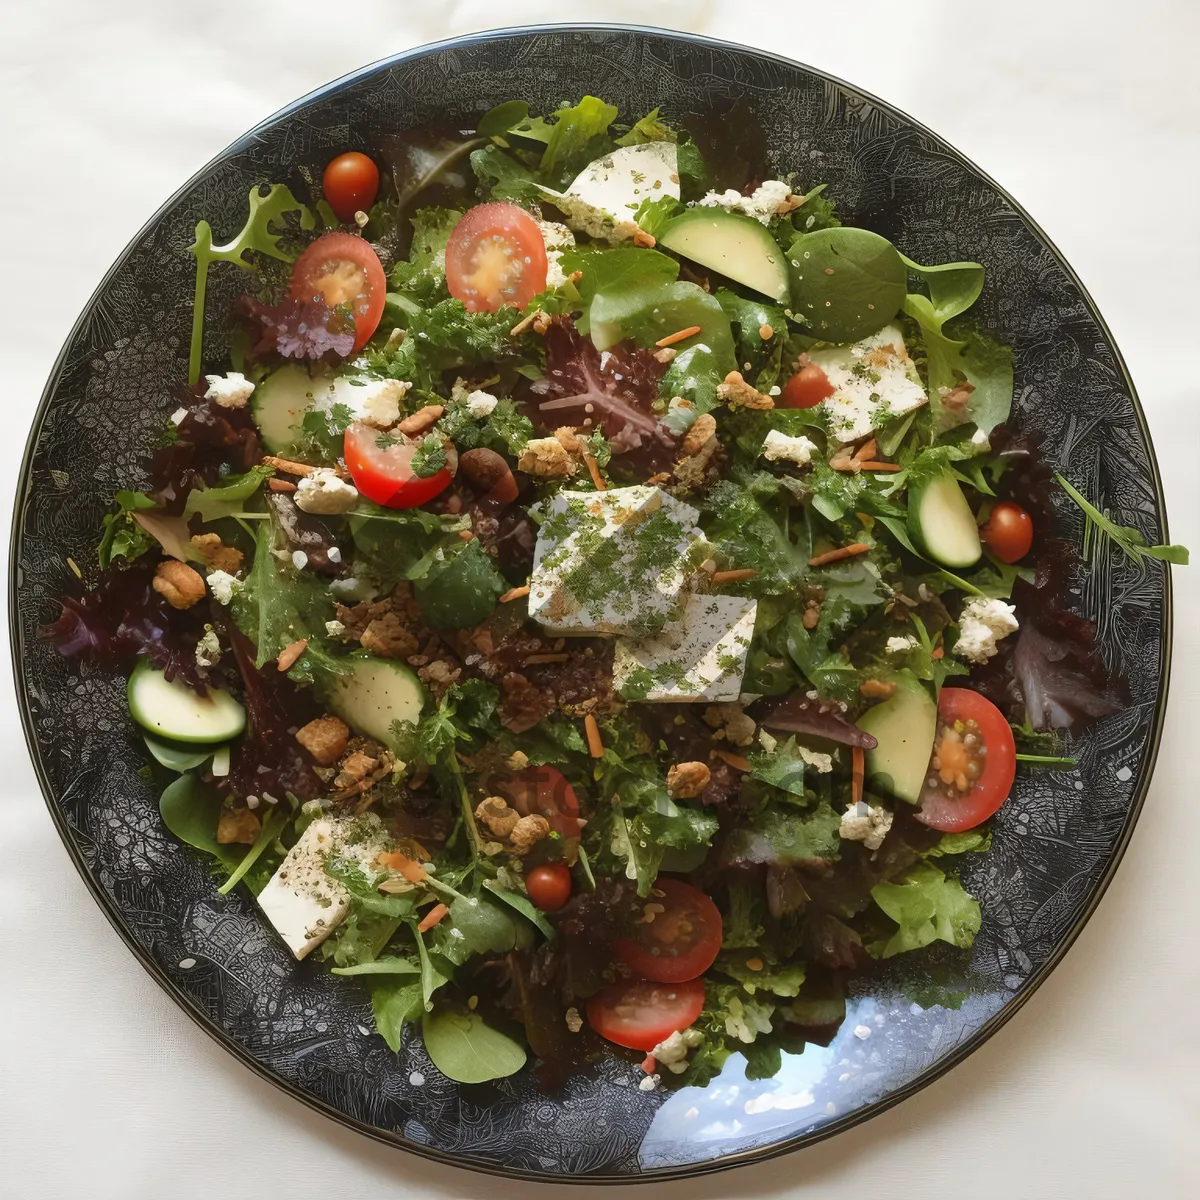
175 757
374 693
904 726
281 400
174 711
941 522
736 245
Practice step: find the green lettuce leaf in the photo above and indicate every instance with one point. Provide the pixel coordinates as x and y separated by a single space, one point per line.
121 536
927 906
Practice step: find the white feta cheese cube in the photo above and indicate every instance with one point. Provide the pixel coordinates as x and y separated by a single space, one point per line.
612 562
983 622
604 197
229 391
699 656
779 447
874 381
303 903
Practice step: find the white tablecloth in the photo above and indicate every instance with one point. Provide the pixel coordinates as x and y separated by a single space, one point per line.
1089 113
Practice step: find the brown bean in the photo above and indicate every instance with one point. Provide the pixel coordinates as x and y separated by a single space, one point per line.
487 470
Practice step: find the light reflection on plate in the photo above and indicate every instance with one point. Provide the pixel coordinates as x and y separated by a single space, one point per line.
733 1114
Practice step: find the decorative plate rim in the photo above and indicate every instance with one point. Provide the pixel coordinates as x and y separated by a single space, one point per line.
158 973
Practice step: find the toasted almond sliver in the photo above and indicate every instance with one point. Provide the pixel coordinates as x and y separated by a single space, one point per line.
289 654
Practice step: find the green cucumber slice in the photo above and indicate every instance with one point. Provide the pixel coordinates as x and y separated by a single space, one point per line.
941 522
374 693
175 712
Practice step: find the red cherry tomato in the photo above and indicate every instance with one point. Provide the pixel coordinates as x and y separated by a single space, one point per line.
496 256
340 268
973 764
640 1013
381 466
549 886
807 388
351 182
1008 532
681 942
542 791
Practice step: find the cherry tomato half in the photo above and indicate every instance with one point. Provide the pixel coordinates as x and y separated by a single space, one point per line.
340 268
640 1013
1008 532
496 256
807 388
681 942
350 184
542 791
549 886
381 466
973 764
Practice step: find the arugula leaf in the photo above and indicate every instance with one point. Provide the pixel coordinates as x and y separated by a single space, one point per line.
522 904
461 587
261 234
381 966
122 536
431 977
577 137
651 128
1101 530
465 711
927 906
272 827
501 118
502 177
468 1050
363 886
214 503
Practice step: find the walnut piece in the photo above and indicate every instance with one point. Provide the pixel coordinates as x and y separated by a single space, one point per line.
729 721
687 780
566 438
526 834
178 584
237 826
354 769
325 739
496 817
387 636
421 420
735 390
218 556
547 458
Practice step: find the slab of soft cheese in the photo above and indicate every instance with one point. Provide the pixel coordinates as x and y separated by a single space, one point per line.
605 195
612 562
699 656
874 381
303 903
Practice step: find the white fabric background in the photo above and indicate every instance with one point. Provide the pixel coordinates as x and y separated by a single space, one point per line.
1089 113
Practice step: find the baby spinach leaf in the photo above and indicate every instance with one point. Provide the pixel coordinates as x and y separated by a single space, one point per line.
476 925
953 288
191 809
466 1049
501 118
762 359
847 283
461 588
972 841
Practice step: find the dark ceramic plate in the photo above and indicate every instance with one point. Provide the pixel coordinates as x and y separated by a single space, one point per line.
1057 842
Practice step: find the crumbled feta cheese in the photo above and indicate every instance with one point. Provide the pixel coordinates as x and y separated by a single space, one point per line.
334 629
178 415
746 1019
762 204
821 763
299 560
901 645
557 238
874 381
866 823
672 1053
229 391
574 1020
481 404
862 1032
334 554
224 586
649 1083
325 492
980 442
208 648
700 655
778 446
612 562
603 199
374 402
984 621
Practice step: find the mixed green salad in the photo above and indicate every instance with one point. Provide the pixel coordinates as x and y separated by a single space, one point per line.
600 601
